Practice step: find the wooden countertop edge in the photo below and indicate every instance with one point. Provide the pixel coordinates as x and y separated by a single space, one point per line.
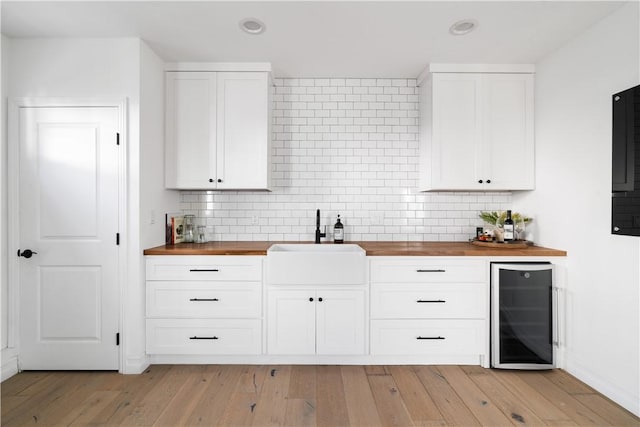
371 249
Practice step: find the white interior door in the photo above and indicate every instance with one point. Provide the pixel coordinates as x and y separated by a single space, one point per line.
68 216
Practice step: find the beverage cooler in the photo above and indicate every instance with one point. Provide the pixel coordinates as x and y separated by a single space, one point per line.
523 316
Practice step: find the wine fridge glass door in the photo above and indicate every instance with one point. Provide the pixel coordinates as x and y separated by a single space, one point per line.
522 316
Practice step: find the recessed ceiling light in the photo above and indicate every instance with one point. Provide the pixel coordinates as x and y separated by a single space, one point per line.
463 27
252 26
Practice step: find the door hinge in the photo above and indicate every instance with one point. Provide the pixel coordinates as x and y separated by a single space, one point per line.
117 138
118 338
117 238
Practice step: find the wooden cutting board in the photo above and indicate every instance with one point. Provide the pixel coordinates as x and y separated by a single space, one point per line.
518 244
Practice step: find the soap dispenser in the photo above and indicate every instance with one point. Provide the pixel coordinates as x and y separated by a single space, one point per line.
338 232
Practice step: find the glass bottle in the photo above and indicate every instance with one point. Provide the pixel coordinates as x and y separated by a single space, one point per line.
508 228
338 232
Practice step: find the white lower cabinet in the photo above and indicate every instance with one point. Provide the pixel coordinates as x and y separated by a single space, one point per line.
316 321
204 305
411 309
432 300
429 306
427 337
203 336
193 300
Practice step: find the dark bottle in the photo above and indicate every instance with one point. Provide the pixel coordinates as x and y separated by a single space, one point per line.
338 232
508 228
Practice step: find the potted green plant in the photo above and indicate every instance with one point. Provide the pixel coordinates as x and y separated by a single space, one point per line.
495 221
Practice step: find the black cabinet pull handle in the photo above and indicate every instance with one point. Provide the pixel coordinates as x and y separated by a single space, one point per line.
219 180
430 338
311 299
210 179
204 299
195 337
488 181
320 299
430 300
479 181
438 270
205 269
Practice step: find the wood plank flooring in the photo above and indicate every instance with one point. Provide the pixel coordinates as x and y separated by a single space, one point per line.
292 395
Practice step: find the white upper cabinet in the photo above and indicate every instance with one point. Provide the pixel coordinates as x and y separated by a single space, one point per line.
190 145
218 130
477 131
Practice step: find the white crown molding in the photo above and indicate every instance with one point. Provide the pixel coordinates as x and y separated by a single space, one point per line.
218 66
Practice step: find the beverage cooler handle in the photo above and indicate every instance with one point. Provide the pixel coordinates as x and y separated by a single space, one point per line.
554 302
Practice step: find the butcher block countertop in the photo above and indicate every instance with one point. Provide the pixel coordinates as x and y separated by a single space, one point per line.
372 249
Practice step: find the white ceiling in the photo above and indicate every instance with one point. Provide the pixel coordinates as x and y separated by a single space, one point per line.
319 38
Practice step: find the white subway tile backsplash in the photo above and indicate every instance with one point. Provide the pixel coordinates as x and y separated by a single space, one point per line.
345 146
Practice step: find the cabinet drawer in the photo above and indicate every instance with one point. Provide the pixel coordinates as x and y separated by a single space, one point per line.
427 270
429 301
196 267
425 337
203 299
189 336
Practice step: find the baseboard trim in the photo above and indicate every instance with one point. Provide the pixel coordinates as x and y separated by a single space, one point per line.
622 397
9 365
265 359
135 365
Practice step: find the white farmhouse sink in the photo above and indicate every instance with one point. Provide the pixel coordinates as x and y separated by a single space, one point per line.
315 248
316 264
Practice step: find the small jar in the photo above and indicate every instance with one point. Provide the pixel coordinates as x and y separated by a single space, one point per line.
201 234
189 228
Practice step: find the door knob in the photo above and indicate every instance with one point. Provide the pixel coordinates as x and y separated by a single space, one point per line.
27 253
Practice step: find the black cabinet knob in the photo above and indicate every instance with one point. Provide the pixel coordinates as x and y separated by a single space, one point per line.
479 181
311 299
320 299
219 180
210 179
488 181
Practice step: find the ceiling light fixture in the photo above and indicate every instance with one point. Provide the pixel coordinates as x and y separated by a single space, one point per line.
252 26
463 27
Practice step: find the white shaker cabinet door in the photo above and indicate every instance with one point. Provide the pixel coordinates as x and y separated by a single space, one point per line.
340 317
243 130
291 322
456 131
190 140
507 132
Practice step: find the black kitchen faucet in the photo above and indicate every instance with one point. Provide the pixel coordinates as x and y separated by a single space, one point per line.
319 234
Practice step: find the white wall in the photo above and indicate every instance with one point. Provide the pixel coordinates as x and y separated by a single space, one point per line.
572 202
98 68
350 147
152 198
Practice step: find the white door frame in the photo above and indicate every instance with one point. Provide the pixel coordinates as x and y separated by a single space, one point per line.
13 220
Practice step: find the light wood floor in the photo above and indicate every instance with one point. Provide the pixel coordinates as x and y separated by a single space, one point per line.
284 395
